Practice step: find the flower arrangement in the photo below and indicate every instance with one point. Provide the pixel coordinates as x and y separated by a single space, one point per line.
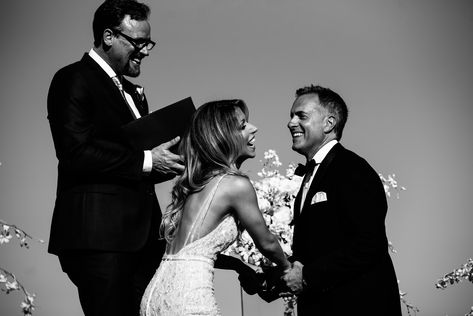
465 272
275 194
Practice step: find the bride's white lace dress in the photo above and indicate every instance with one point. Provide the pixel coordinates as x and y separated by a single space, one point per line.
183 283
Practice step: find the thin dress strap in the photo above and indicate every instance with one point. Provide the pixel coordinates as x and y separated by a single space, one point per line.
192 234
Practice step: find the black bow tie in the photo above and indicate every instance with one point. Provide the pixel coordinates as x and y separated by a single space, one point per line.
301 169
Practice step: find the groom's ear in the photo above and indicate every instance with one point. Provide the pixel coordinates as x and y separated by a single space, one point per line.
329 123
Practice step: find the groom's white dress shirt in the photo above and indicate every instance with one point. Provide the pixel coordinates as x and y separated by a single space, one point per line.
318 157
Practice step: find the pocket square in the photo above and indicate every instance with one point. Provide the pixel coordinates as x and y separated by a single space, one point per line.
319 197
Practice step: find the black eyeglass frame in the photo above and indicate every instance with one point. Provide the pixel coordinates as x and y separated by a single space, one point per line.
149 44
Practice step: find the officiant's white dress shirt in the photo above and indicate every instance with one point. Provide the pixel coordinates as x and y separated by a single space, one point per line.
148 161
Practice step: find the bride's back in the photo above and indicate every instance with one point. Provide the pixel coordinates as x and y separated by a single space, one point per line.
203 211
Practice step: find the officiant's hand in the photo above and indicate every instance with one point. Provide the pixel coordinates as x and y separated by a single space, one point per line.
165 161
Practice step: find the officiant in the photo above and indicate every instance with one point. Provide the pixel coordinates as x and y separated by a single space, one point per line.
106 215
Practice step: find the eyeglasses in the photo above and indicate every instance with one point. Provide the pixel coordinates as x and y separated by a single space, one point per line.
138 44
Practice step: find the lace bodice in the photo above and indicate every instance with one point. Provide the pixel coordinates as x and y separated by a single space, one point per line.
211 244
183 283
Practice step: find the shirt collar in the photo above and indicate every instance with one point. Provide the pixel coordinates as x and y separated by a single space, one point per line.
320 155
102 63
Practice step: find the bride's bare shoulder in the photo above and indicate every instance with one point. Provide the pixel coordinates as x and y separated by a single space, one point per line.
236 185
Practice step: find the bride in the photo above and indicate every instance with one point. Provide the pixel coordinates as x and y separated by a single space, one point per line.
210 200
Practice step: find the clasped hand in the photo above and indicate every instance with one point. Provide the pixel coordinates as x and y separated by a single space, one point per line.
270 284
293 279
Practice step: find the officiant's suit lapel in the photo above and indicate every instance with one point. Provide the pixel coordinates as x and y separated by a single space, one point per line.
140 101
109 91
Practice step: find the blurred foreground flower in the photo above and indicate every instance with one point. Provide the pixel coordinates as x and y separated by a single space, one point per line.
465 272
456 276
7 231
390 184
8 281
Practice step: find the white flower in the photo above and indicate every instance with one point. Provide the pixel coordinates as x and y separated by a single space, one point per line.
245 236
11 286
263 204
27 305
286 247
5 237
282 215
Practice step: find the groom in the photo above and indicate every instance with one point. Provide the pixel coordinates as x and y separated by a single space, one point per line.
340 250
106 216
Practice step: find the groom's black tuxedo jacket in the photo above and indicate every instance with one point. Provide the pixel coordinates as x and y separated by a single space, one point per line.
104 201
340 238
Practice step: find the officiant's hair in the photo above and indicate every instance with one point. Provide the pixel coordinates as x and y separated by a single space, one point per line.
110 14
331 101
210 147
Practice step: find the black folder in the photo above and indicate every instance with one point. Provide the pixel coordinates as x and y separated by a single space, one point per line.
161 125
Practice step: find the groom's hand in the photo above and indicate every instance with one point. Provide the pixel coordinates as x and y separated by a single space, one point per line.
165 161
294 279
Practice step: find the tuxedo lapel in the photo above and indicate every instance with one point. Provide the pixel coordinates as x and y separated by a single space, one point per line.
297 203
321 171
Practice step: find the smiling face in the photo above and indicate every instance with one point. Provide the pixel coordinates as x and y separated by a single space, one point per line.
248 131
124 58
311 126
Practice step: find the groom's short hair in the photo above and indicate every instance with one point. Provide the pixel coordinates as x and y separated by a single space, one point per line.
331 101
110 14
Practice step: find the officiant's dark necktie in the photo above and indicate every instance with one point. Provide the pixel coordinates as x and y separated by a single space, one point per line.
119 85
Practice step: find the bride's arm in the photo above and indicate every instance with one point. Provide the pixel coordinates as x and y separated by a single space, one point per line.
243 201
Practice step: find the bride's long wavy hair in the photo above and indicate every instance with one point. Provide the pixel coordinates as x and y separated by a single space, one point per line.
210 147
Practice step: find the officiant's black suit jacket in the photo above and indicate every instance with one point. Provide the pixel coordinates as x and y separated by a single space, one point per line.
104 200
341 240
